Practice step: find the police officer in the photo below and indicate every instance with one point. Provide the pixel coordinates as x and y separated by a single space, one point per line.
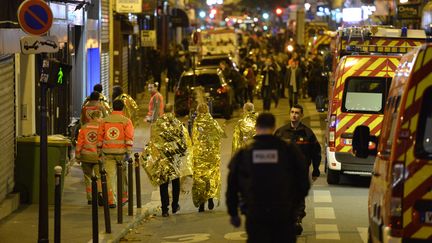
303 136
267 179
115 141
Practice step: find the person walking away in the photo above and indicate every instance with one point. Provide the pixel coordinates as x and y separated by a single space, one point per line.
115 142
206 140
269 83
267 179
292 80
166 157
92 105
102 99
244 130
298 133
130 109
156 104
86 152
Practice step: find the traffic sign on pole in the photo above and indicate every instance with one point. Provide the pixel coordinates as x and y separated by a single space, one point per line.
35 17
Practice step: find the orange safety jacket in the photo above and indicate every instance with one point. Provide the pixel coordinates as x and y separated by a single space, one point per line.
86 148
116 134
156 107
92 105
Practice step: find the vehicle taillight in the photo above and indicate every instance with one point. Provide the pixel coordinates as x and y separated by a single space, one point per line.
222 90
396 210
332 130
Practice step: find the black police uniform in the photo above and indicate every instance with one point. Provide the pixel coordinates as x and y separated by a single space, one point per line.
304 137
267 179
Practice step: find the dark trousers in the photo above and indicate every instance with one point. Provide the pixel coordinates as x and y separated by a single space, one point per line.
270 231
301 210
266 96
250 93
165 197
292 96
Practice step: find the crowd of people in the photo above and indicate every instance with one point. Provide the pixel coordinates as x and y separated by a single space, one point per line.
269 169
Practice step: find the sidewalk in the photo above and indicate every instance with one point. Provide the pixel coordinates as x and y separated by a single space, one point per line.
76 220
76 224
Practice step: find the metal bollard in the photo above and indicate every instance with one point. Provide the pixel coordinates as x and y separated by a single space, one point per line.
137 180
57 204
119 192
95 219
130 187
105 199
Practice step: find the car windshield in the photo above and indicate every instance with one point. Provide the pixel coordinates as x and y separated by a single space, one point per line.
365 94
206 80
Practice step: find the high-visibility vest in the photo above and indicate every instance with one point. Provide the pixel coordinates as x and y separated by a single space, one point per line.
116 134
86 148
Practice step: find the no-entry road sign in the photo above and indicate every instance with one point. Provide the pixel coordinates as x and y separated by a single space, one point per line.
35 17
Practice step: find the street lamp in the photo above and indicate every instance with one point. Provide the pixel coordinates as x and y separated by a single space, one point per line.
265 16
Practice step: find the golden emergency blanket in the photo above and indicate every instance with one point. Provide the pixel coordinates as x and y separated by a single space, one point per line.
244 130
166 156
130 109
206 138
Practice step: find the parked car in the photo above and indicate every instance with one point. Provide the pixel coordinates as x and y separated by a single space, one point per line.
214 86
214 60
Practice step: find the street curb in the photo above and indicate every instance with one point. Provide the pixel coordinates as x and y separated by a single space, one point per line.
121 230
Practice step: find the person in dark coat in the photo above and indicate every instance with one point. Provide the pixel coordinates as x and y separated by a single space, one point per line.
267 179
298 133
293 81
269 83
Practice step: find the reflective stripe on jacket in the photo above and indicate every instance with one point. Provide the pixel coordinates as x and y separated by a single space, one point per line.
116 134
86 148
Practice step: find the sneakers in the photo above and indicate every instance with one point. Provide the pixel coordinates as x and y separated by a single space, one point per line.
165 214
175 209
210 204
89 202
201 208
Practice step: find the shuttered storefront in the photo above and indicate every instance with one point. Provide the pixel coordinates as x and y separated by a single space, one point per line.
104 37
7 125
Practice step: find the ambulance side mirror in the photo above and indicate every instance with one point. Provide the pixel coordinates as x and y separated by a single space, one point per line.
361 141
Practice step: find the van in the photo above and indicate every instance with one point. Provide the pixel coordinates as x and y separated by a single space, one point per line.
358 95
400 193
